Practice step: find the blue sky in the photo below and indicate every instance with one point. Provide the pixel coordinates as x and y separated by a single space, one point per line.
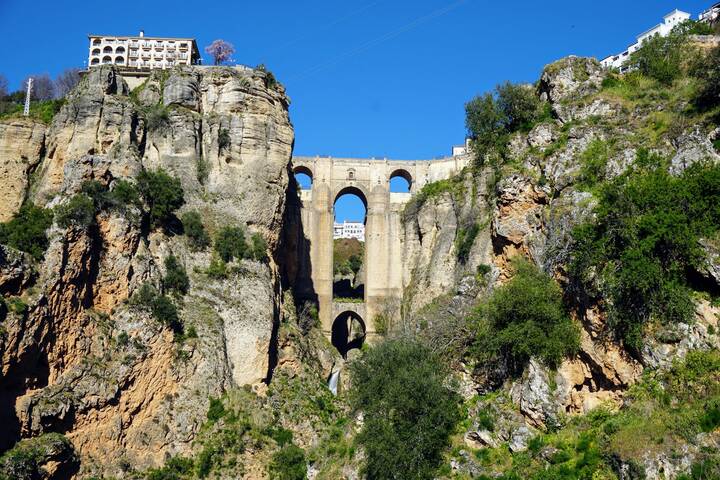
366 77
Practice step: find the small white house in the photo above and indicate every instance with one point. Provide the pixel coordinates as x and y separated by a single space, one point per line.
349 230
711 14
670 21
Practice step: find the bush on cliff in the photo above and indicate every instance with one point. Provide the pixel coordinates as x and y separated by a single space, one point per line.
79 211
230 244
644 240
176 279
409 410
492 117
26 231
160 306
162 194
195 231
288 463
525 318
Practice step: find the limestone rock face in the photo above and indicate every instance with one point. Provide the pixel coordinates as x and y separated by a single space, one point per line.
82 359
570 77
21 146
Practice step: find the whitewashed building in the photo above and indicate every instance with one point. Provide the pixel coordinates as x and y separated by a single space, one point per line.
458 150
349 230
670 21
711 14
141 52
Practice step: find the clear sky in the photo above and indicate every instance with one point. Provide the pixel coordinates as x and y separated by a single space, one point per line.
382 78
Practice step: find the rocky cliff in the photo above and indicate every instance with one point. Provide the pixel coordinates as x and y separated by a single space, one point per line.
78 358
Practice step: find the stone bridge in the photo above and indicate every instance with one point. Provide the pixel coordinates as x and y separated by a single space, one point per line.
369 179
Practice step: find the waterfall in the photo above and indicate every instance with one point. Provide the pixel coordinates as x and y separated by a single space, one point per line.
333 382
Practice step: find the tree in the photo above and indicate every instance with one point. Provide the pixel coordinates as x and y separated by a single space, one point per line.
230 244
221 51
526 318
410 412
26 231
42 87
66 81
195 231
176 278
3 86
162 193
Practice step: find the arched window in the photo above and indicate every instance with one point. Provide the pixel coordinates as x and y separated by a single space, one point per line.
120 60
95 61
303 177
120 50
107 50
400 181
96 41
106 60
96 51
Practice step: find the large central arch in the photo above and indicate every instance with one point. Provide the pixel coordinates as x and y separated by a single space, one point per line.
370 181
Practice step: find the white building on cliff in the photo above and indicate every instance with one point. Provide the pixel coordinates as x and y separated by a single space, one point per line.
670 21
141 52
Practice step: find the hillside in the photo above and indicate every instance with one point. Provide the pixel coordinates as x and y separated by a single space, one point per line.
559 317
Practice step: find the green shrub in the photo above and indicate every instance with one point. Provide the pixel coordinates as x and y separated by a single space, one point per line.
176 278
16 305
26 231
465 240
157 117
195 231
123 194
410 412
491 117
216 410
593 163
643 241
259 248
176 468
79 212
525 318
162 194
217 269
288 463
230 244
160 306
663 58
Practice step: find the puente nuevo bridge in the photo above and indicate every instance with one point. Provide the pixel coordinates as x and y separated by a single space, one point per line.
368 179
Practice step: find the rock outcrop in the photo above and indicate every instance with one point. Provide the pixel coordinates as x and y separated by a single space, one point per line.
83 360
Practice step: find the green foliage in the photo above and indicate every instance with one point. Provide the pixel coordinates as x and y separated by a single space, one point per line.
203 170
593 163
78 212
707 71
216 410
28 457
410 412
161 307
123 195
176 278
16 305
288 463
453 186
157 117
381 322
176 468
195 231
664 58
162 194
258 250
217 269
525 318
230 244
26 231
491 117
223 138
44 110
465 240
348 256
643 241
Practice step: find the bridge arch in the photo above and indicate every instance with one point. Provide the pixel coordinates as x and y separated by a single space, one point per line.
348 332
353 190
404 174
304 175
